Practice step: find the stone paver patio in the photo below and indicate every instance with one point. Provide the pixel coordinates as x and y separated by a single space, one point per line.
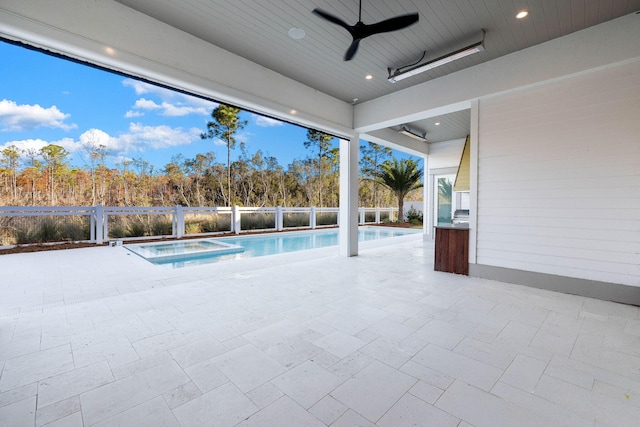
98 336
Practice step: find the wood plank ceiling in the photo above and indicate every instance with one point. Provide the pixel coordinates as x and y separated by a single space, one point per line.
258 31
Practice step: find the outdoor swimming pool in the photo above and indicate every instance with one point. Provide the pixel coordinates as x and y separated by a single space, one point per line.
204 251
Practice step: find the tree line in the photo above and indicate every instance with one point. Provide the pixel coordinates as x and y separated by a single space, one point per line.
45 178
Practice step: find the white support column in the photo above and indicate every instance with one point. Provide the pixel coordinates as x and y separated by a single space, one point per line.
426 220
179 230
105 225
430 198
99 225
377 215
235 219
92 225
279 219
349 151
312 217
474 140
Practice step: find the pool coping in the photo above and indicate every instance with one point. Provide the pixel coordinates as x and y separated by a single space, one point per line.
223 248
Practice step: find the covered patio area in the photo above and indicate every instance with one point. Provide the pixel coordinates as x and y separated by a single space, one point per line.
99 336
373 336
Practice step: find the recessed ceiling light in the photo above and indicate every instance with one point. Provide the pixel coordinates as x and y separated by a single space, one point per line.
522 14
296 33
368 77
293 112
110 51
437 123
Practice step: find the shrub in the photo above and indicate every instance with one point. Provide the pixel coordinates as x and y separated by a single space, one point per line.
221 223
117 231
47 232
161 228
192 228
136 229
75 231
295 219
414 216
22 236
327 218
209 226
257 221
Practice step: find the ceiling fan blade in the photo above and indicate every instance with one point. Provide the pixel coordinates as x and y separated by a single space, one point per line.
351 52
392 24
360 30
332 18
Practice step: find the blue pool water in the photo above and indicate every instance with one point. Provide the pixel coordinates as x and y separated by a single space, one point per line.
204 251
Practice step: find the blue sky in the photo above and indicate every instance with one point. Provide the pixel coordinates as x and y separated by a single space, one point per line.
48 100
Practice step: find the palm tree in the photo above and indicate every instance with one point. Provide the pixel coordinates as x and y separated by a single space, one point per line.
401 177
445 188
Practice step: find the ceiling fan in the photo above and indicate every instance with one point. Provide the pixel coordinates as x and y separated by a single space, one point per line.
361 30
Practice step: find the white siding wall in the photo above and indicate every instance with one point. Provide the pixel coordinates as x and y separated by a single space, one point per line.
559 178
445 154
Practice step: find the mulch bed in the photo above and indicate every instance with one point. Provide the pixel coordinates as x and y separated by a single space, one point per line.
39 247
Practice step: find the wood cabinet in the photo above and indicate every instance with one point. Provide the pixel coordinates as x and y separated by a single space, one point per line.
452 250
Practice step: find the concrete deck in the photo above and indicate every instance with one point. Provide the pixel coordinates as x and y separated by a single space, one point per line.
98 336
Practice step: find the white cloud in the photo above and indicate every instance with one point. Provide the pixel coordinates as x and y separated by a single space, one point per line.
119 161
131 114
68 144
263 121
143 87
138 138
242 137
97 137
141 137
181 110
146 104
36 145
171 103
26 144
14 117
166 108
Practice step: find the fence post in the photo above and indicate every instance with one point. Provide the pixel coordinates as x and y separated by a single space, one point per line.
99 213
279 218
179 221
377 215
105 224
312 217
92 224
362 215
235 220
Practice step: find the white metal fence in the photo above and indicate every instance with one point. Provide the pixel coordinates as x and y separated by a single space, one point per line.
97 224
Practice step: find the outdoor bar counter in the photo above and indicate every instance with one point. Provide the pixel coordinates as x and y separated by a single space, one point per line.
452 248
